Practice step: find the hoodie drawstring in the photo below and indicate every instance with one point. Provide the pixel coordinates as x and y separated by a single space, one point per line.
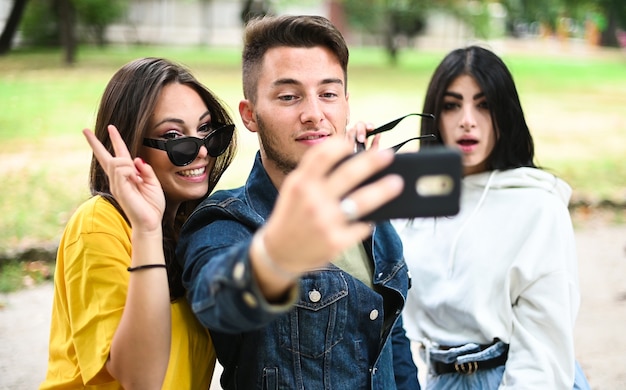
458 234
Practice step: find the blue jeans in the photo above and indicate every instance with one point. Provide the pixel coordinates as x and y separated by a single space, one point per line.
481 379
580 380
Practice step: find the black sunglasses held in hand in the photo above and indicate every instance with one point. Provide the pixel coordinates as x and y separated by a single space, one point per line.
182 151
388 126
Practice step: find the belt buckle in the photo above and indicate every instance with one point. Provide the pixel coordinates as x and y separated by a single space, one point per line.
466 368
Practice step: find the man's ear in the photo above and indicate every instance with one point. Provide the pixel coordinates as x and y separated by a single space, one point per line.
246 111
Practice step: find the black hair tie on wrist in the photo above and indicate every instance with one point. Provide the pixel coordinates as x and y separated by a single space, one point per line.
145 266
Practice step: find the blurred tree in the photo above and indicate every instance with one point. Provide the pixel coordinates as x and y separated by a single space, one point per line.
253 8
399 21
12 23
608 16
97 15
475 14
615 14
66 14
40 25
55 23
393 20
544 12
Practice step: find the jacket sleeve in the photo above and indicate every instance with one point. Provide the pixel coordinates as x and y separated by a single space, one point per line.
405 370
220 285
545 298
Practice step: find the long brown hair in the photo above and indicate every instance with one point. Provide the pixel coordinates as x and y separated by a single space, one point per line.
128 102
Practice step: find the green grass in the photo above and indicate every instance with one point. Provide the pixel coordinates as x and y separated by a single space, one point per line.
11 276
575 106
16 274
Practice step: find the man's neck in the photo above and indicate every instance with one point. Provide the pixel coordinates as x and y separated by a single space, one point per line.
276 174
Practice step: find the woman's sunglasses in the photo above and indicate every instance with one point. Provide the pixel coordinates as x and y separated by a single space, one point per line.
391 125
182 151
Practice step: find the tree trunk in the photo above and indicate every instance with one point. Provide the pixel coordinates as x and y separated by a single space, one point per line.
67 24
10 28
390 40
609 35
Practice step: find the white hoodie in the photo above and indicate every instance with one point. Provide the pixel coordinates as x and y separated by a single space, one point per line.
505 267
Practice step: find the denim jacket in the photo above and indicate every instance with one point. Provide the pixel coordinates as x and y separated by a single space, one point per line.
335 332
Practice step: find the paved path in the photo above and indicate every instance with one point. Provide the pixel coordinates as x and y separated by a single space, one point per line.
600 336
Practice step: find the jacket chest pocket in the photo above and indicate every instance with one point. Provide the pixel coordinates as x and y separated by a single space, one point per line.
318 320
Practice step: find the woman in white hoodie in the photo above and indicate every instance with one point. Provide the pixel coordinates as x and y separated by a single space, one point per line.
495 288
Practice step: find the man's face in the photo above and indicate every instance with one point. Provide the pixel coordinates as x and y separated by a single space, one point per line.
301 101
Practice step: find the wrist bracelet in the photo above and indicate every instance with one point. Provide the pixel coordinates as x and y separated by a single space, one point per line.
145 266
267 259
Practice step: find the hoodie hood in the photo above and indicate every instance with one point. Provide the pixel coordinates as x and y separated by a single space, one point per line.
498 180
520 178
477 188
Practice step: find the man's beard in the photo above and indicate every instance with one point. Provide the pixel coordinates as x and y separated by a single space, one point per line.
270 146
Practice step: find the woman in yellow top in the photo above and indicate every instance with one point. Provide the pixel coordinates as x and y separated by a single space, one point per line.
120 319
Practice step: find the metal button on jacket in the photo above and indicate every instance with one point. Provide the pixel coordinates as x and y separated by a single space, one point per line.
373 314
239 271
250 299
315 296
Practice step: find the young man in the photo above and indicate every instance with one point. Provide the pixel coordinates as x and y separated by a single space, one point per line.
296 292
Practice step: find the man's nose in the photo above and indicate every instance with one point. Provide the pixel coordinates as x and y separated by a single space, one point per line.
312 111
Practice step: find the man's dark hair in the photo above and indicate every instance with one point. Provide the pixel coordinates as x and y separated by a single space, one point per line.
262 34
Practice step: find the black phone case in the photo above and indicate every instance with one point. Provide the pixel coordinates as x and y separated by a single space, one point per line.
425 175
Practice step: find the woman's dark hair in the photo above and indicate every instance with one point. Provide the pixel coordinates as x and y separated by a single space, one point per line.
264 33
514 145
128 103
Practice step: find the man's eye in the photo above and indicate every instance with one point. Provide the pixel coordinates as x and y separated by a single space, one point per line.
287 98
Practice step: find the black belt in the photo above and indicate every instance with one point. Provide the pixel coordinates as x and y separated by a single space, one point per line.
469 367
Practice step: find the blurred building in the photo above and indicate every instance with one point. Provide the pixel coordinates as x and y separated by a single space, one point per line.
218 23
203 22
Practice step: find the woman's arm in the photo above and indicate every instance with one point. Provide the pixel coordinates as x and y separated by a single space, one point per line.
140 348
541 351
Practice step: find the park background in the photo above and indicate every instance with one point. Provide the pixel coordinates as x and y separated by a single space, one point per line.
571 78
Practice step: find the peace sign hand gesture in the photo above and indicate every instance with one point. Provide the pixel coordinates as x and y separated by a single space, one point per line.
133 183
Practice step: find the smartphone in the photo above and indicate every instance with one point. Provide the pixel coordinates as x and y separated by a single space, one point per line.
432 185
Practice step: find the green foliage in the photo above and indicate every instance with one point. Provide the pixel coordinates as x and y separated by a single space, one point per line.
15 274
378 16
548 12
476 15
11 276
408 21
364 15
38 204
614 8
97 15
401 16
39 25
542 11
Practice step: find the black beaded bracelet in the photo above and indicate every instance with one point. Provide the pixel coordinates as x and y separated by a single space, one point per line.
145 266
